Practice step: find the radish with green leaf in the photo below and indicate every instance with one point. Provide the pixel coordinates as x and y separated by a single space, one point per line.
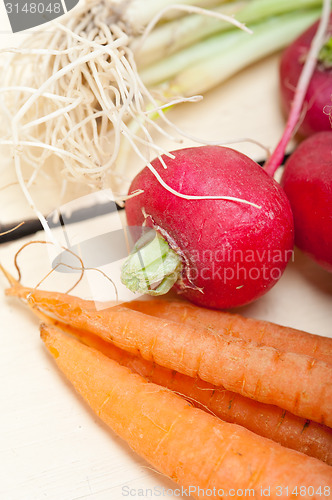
317 109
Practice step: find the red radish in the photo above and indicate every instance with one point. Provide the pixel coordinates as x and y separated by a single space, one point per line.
318 100
307 181
220 253
225 253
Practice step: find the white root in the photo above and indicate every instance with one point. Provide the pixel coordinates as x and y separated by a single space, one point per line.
83 103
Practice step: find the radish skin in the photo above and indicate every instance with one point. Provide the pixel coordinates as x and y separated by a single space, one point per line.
316 114
231 253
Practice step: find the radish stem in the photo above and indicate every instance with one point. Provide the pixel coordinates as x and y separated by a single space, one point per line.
83 102
276 159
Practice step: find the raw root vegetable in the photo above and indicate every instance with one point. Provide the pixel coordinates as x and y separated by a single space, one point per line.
252 330
75 98
268 421
297 383
219 253
264 333
193 448
304 80
307 181
265 420
317 106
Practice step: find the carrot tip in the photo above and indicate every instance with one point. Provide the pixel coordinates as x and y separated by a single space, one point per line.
17 290
11 280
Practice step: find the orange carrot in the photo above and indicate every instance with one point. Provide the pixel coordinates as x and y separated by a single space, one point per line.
269 421
190 446
283 338
264 333
297 383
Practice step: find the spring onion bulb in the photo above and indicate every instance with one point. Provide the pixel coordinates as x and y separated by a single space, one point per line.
82 93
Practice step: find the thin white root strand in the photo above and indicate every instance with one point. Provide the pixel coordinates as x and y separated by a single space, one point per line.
31 90
174 102
201 140
84 104
194 197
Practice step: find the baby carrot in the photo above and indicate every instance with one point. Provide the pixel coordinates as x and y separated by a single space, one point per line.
264 333
195 449
269 421
283 338
297 383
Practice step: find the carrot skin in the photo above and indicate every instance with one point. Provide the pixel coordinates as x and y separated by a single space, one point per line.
265 420
296 383
268 421
188 445
264 333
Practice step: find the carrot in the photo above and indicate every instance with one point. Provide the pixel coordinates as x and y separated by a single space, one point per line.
297 383
269 421
283 338
195 449
263 333
265 420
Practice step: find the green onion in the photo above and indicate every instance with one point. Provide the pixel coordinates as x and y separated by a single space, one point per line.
171 37
208 63
86 92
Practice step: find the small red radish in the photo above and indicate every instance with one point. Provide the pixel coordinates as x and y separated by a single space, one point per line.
307 181
220 253
317 106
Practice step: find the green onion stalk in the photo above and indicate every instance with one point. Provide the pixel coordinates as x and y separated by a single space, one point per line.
85 93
